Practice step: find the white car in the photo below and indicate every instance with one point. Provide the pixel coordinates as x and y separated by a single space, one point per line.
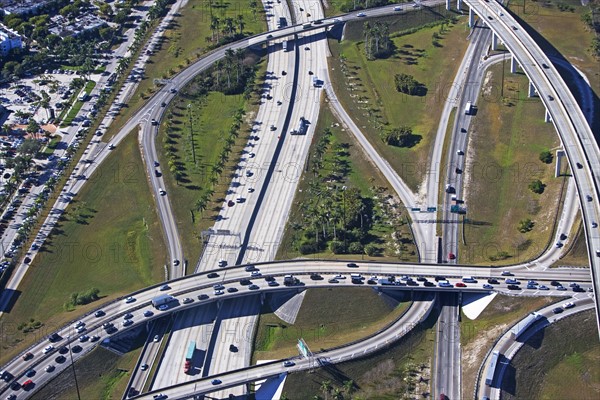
162 191
361 15
48 349
568 305
129 299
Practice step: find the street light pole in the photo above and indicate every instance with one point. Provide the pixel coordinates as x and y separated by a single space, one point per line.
73 366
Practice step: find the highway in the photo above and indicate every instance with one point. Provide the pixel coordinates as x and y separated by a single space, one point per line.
200 285
508 346
418 311
447 368
575 133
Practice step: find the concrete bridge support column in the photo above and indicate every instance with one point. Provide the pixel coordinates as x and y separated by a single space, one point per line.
531 92
513 64
458 5
471 18
448 5
547 117
494 41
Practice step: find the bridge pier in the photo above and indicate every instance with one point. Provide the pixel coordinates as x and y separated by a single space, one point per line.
447 5
458 5
547 117
513 64
531 92
471 18
494 41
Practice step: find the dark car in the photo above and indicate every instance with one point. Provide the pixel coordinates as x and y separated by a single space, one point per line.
99 314
514 287
233 348
555 283
352 265
231 290
557 310
212 275
492 281
245 282
60 359
202 297
315 277
428 284
440 278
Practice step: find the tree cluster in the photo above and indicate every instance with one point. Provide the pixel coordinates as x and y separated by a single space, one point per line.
350 5
377 40
525 225
400 137
536 186
407 84
82 298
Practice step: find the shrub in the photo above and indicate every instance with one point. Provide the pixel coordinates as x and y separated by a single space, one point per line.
546 157
356 248
537 186
525 225
337 247
371 250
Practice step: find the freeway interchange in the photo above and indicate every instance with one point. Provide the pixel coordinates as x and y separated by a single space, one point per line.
566 115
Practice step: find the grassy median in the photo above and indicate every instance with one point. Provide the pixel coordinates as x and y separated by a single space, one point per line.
109 238
506 137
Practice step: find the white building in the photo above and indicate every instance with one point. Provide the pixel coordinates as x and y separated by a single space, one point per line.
9 39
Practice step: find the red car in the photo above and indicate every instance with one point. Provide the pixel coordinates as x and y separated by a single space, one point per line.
460 284
27 384
451 256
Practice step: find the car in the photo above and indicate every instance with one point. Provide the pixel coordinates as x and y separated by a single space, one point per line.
127 322
511 281
175 262
163 307
492 281
159 396
162 192
513 287
514 28
245 282
428 284
543 287
144 367
250 190
187 300
233 348
60 359
269 36
163 104
555 283
154 122
218 286
288 363
352 265
129 299
11 396
219 292
202 296
490 18
451 256
506 273
156 338
397 8
550 98
439 278
594 224
216 381
530 286
111 146
94 338
361 15
78 324
230 203
156 164
333 280
559 245
460 284
49 368
487 286
421 278
588 197
99 314
48 349
165 287
81 329
273 283
63 350
83 338
148 313
231 290
444 284
557 310
30 373
568 305
545 65
253 287
561 288
27 356
255 274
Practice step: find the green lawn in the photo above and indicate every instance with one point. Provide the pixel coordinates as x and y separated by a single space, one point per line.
49 149
77 105
565 352
185 41
478 335
109 238
506 139
328 318
361 175
400 371
367 89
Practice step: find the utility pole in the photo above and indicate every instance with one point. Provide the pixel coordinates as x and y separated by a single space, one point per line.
73 365
502 85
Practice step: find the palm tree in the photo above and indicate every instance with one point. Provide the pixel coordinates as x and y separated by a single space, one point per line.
229 25
215 24
348 386
240 22
325 385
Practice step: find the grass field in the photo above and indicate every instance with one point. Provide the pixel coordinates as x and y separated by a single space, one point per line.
577 252
324 321
478 335
560 362
400 371
367 89
101 375
548 25
362 175
184 41
505 141
109 238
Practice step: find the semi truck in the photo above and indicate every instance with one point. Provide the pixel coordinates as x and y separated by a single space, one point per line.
290 280
286 45
468 108
282 22
189 356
